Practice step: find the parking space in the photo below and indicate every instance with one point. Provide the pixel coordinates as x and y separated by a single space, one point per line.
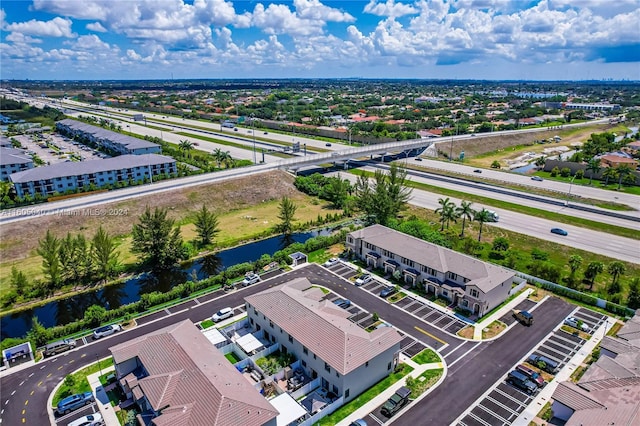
525 305
505 403
343 270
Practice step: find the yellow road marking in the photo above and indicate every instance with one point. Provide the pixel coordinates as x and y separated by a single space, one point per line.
72 361
48 375
26 402
24 420
40 384
24 411
60 368
430 335
83 355
32 392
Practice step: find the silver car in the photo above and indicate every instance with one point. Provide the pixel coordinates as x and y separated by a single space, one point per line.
105 331
577 324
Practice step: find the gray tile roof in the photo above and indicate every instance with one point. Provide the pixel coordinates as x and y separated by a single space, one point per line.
481 274
14 156
61 170
127 141
321 326
192 378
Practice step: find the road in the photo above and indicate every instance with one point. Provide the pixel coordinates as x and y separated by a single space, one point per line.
25 392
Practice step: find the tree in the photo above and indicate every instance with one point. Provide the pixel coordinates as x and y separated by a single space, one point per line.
616 269
623 170
575 261
206 224
94 315
382 199
336 190
287 211
158 239
75 258
446 211
482 216
495 164
49 250
104 254
609 173
185 146
38 334
18 281
540 161
220 156
592 271
500 244
633 300
465 212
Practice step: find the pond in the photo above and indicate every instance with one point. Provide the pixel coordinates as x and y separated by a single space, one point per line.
113 296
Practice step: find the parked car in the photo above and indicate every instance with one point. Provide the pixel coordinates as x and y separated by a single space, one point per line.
358 422
59 346
250 279
74 402
559 231
94 419
343 303
537 178
543 363
576 323
477 171
331 262
222 314
519 380
106 330
363 279
396 402
533 375
523 317
387 291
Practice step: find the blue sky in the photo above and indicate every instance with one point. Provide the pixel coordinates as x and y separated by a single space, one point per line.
460 39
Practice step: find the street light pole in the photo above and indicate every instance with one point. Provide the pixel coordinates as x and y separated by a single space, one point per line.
569 193
253 130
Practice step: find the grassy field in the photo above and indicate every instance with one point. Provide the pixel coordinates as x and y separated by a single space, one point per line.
79 383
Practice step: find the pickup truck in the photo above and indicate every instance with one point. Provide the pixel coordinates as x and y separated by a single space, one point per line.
523 317
396 402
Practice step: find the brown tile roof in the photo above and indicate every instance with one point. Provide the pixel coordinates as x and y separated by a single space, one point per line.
321 326
481 274
191 381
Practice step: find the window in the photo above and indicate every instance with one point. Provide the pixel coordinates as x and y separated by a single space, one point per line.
389 366
452 276
314 356
271 324
290 339
273 339
346 394
327 368
304 363
337 374
335 389
474 293
366 364
429 271
349 240
305 350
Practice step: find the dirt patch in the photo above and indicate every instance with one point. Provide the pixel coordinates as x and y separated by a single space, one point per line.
493 330
467 332
20 239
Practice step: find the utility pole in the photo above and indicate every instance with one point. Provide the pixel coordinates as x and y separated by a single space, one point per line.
253 130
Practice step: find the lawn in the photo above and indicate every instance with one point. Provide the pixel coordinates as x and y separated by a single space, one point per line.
493 329
424 381
232 357
77 382
366 396
208 323
427 356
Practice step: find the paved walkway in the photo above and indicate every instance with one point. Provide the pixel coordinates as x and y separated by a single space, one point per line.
102 399
486 321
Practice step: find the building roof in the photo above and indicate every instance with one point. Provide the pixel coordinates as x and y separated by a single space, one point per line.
128 142
14 156
321 326
481 274
79 168
5 141
191 382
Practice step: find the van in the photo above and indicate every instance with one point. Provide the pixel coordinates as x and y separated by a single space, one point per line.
543 363
522 382
59 346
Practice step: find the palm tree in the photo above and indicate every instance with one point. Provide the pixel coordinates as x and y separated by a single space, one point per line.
446 211
465 212
615 269
540 161
593 166
609 173
623 170
482 216
592 271
219 156
185 145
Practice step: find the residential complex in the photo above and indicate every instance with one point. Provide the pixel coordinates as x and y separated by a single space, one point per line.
12 161
465 281
609 391
346 358
177 377
106 139
62 177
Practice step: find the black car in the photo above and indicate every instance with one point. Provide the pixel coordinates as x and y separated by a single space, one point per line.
342 303
387 291
559 231
477 171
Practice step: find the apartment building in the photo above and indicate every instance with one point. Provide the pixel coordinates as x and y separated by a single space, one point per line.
62 177
107 139
12 161
465 281
346 358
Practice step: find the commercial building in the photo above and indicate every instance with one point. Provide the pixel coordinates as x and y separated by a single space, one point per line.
71 176
465 281
346 358
12 161
177 377
106 139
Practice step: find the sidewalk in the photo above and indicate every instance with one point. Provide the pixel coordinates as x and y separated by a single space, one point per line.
545 394
102 399
486 321
382 397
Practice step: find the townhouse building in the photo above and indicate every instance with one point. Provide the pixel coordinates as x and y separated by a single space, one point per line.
346 358
71 176
12 161
467 282
106 139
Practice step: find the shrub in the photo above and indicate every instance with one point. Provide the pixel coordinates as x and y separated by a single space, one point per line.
565 172
555 171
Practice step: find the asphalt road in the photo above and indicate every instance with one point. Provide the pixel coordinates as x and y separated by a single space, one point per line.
25 393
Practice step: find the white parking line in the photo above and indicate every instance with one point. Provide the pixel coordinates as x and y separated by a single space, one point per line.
496 415
506 395
500 404
464 354
479 419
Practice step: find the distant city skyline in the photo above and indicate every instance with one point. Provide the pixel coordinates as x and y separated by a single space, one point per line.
423 39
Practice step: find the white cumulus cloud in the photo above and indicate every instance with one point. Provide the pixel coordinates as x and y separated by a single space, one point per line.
97 27
56 27
390 9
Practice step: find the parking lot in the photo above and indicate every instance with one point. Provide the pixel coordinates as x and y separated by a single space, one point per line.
53 148
505 403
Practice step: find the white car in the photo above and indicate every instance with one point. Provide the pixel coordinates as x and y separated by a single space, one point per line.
575 323
331 262
106 330
363 279
250 279
222 314
94 419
